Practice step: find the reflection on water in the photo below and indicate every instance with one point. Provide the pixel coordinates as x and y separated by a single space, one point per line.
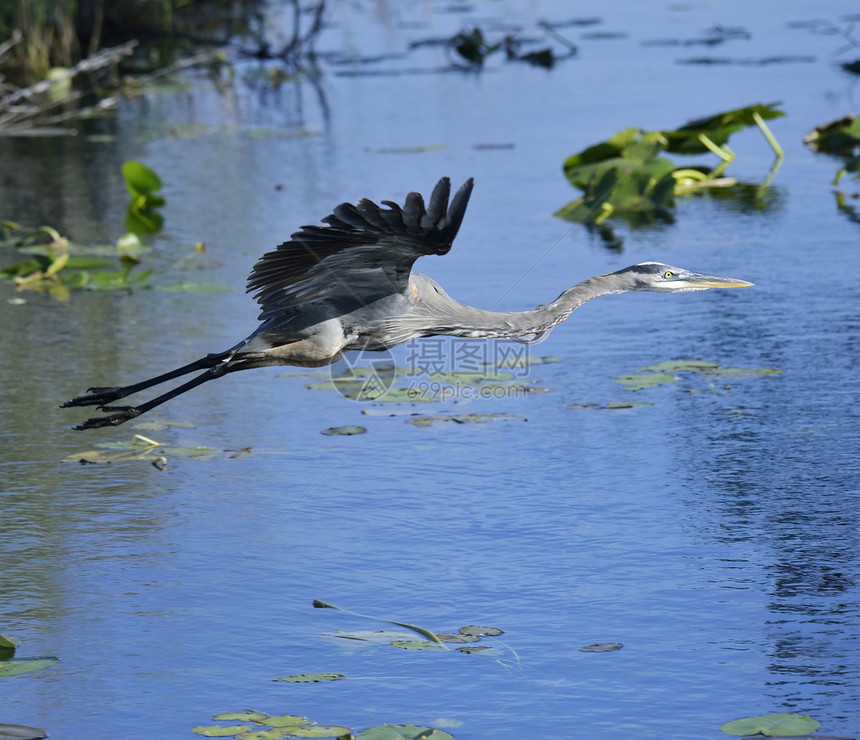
712 530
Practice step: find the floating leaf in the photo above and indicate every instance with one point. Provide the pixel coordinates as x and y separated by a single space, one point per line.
601 647
20 732
345 430
784 724
220 730
473 629
610 405
196 287
742 372
241 716
320 731
17 666
426 421
637 382
674 366
285 720
416 645
276 733
456 637
403 732
311 677
473 649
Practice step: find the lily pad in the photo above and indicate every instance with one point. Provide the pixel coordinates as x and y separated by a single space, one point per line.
17 666
469 649
285 720
611 405
311 677
241 716
456 637
196 287
674 366
276 733
426 421
20 732
403 732
640 381
416 645
742 372
602 647
344 431
220 730
785 724
320 731
477 631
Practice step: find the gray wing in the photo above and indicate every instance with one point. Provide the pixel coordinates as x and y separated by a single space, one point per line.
364 253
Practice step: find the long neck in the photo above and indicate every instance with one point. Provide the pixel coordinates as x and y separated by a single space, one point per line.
475 322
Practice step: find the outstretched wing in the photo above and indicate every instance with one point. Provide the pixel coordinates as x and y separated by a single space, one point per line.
365 252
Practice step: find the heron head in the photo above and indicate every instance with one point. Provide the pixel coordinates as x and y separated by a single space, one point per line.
659 278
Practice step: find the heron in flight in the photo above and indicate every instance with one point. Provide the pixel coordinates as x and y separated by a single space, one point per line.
349 285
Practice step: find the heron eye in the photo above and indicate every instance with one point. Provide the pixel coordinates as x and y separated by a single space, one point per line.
668 275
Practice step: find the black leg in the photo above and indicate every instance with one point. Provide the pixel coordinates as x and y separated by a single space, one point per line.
124 413
101 396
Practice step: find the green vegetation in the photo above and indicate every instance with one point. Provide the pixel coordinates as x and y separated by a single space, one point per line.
55 265
782 724
263 726
474 48
840 138
627 175
12 666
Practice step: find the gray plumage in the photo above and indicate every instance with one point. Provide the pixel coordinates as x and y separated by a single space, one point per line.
349 285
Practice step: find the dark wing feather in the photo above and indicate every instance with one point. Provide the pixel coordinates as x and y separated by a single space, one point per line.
363 253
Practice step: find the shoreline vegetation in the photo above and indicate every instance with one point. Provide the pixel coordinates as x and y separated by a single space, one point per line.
71 59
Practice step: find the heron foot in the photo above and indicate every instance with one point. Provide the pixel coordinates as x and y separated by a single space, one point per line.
122 415
95 397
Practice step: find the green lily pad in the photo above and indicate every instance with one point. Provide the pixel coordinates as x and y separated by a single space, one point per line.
456 638
241 717
285 720
602 647
17 666
20 732
674 366
741 372
639 381
219 730
344 431
469 649
403 732
416 645
611 405
276 733
311 677
196 287
426 421
784 724
320 731
477 631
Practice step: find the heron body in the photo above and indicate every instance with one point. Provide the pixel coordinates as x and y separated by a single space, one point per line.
349 285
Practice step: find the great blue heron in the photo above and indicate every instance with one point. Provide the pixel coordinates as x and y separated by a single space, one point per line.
349 285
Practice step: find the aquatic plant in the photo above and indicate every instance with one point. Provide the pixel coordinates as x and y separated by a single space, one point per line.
627 175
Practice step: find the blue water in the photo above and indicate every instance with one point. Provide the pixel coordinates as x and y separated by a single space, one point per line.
714 533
